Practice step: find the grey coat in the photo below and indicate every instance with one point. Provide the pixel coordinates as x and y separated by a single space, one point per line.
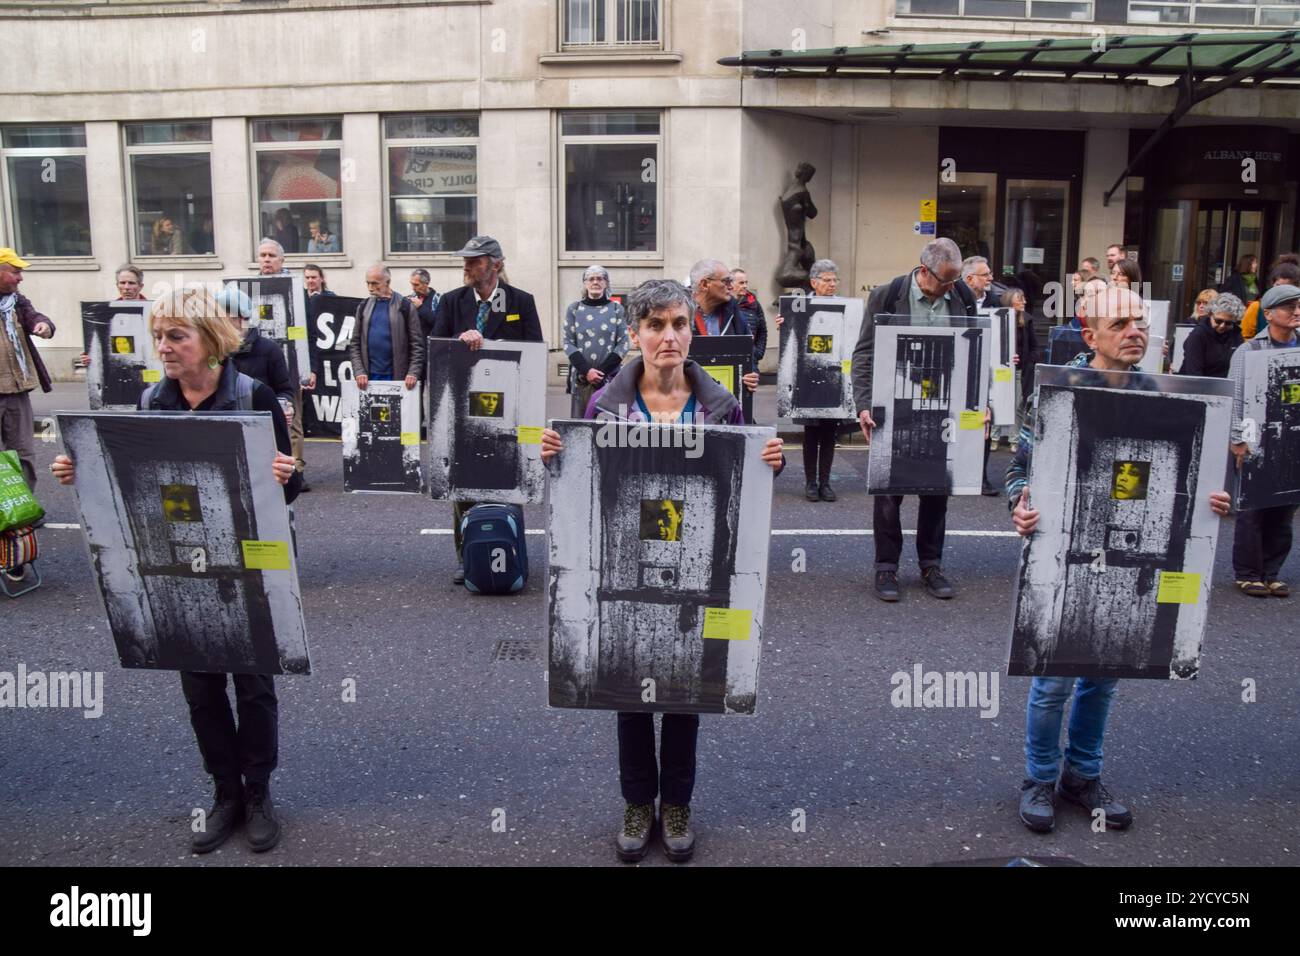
406 331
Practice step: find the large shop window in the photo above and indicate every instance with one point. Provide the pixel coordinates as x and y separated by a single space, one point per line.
298 172
605 23
45 185
611 182
169 169
432 181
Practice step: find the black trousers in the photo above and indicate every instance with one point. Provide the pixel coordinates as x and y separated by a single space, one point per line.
887 523
1262 542
253 748
672 776
819 450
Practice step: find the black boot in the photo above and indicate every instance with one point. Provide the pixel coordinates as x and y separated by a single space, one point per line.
222 820
261 827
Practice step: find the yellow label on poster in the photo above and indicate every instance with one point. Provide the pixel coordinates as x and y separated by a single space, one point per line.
1179 587
724 375
529 434
410 438
512 317
151 375
1002 375
297 332
970 421
266 555
727 623
846 366
929 208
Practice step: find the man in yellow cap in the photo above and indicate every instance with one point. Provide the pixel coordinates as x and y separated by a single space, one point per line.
21 368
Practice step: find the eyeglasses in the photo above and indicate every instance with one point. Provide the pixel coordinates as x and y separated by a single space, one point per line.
725 280
1218 321
1286 307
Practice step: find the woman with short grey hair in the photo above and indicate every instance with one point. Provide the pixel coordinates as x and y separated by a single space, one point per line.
595 338
1208 349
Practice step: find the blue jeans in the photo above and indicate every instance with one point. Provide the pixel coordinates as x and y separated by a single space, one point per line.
1046 708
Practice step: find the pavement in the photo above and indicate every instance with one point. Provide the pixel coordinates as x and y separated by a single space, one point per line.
444 740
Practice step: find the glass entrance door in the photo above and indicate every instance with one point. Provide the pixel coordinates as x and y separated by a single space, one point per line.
1037 218
1196 244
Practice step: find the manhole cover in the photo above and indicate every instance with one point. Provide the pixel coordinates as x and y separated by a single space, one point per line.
515 651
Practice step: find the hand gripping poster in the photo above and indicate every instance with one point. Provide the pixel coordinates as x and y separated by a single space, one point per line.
814 375
189 540
381 437
929 389
486 412
658 566
1115 581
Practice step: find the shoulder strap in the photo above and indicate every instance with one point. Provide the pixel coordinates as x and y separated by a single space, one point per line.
244 388
896 288
150 394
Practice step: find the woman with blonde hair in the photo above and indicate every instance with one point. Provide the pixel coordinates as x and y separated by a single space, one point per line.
1201 309
166 238
194 338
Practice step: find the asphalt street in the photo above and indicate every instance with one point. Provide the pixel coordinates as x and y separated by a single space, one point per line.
443 739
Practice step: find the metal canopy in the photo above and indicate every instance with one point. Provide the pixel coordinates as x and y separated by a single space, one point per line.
1203 56
1204 64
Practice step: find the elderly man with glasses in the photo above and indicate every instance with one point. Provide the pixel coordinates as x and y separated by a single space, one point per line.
716 312
1262 539
930 293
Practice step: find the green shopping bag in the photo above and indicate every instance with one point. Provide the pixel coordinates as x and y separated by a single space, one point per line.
18 506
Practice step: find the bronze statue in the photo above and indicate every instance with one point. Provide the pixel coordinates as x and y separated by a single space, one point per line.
796 208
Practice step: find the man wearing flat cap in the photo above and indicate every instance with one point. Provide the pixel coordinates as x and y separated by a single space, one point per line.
485 307
21 368
1262 539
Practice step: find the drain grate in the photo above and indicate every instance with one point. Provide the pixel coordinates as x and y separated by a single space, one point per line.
515 651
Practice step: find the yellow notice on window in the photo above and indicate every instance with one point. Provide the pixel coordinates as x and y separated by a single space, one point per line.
970 421
297 332
266 555
151 375
929 210
1179 587
724 375
410 438
846 366
727 623
1002 375
529 434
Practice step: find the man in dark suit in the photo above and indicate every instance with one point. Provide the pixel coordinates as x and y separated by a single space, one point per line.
485 307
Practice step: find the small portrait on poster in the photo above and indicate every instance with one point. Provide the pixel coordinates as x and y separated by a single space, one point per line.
658 567
661 519
189 539
486 404
1115 581
814 371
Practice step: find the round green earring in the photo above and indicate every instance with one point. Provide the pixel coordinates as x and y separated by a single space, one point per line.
212 361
